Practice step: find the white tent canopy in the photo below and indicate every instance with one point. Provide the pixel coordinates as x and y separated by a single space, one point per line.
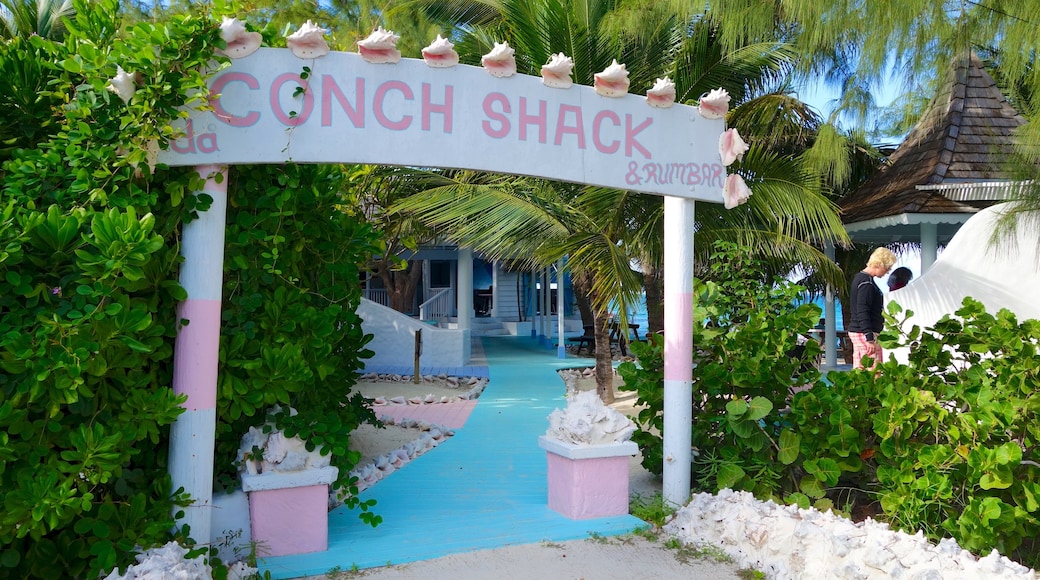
1001 271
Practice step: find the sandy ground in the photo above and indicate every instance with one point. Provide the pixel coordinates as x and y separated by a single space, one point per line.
631 557
627 557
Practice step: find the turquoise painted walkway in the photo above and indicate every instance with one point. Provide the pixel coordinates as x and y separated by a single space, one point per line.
483 488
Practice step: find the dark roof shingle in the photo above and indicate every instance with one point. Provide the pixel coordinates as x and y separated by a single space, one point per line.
964 136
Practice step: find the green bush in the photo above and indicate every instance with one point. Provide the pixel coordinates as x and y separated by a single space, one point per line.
957 429
293 338
89 260
88 290
747 359
946 443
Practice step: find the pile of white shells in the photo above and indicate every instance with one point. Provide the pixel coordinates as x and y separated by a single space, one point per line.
587 421
169 563
471 388
374 471
279 453
789 542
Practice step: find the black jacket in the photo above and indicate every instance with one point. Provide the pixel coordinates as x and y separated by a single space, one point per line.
865 303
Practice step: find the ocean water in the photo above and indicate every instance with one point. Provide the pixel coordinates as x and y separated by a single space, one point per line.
839 322
638 316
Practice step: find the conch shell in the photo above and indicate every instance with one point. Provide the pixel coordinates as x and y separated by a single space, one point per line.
500 62
613 81
587 421
440 54
308 41
715 104
124 84
735 191
731 146
240 42
557 74
662 95
380 47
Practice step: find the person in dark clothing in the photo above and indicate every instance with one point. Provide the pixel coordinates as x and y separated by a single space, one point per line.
899 277
865 302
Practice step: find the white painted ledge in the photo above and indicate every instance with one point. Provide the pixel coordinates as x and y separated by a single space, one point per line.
574 451
269 481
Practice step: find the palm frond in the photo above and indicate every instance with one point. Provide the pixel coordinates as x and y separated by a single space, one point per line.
462 13
502 221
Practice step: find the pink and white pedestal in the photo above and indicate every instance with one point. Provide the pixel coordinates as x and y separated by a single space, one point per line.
289 512
588 481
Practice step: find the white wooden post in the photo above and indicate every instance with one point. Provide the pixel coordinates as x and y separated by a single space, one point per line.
196 353
464 299
830 322
493 311
561 352
532 293
678 347
545 337
929 245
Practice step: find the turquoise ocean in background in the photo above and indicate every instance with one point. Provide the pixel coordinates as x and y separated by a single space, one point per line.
638 316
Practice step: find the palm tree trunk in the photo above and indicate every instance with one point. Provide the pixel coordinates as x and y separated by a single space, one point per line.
401 285
653 283
604 369
582 287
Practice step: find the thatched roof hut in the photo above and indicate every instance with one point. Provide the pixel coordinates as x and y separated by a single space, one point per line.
955 161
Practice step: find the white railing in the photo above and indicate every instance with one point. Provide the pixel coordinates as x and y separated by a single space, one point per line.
379 296
438 307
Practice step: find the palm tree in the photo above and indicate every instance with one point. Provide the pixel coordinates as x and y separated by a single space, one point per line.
861 45
535 223
602 230
25 18
375 190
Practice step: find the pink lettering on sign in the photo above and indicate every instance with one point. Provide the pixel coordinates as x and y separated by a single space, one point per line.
356 112
597 123
537 119
562 128
502 129
300 117
607 130
428 107
218 109
630 137
706 174
379 100
192 143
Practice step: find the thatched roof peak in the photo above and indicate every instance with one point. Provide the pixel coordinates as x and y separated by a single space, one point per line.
964 137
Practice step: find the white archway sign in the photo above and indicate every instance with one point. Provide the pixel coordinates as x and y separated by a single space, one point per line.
341 109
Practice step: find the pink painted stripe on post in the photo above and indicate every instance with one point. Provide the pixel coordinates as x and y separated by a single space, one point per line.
678 309
196 353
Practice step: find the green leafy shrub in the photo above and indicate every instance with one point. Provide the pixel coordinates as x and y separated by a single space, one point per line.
747 359
946 443
957 428
89 260
88 292
294 339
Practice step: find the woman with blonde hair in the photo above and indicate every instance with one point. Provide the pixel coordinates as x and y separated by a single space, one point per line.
865 303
